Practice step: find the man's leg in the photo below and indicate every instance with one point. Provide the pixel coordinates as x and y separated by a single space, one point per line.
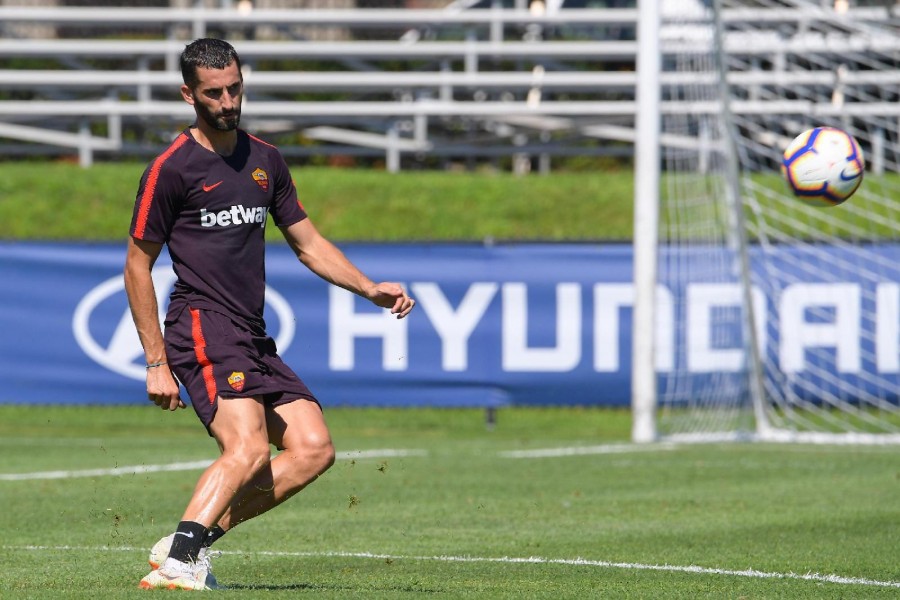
239 428
298 427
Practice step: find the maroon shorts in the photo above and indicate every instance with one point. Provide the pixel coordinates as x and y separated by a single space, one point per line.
214 357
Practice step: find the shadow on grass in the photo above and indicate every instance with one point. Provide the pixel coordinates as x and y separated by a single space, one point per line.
323 588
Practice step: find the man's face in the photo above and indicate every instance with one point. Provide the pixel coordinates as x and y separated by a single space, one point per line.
217 97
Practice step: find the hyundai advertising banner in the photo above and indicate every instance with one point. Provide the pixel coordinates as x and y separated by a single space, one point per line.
538 324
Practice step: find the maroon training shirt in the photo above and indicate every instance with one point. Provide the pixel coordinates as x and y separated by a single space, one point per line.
211 211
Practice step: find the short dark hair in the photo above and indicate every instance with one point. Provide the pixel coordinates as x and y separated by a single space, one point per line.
208 53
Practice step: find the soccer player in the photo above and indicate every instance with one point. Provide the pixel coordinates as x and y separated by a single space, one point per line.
208 197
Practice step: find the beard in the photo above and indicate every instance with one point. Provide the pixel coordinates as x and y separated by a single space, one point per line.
220 121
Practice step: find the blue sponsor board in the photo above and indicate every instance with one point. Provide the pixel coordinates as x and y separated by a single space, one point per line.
517 324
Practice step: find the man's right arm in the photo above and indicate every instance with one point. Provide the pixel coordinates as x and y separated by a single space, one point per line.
162 389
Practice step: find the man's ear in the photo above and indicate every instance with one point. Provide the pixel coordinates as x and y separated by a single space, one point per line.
187 94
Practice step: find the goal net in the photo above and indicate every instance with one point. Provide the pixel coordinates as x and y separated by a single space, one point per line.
775 320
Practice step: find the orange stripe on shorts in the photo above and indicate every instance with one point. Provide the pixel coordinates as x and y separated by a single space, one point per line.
200 350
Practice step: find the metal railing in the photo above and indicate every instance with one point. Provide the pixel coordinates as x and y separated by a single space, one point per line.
437 85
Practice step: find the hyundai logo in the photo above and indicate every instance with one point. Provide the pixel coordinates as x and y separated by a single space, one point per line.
120 350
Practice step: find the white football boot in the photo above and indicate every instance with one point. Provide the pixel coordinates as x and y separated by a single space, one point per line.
160 552
175 575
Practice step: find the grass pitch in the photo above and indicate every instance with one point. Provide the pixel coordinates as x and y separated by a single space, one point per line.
552 503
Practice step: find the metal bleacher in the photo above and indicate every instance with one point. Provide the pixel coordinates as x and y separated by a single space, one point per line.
520 82
442 85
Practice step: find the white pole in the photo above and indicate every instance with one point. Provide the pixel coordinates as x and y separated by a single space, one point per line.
738 228
392 151
646 223
85 151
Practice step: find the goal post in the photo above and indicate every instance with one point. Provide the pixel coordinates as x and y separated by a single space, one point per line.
646 222
757 316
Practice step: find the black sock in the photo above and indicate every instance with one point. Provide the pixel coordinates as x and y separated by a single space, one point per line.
187 541
215 532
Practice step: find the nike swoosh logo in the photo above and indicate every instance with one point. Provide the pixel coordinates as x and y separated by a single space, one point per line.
209 188
191 534
849 175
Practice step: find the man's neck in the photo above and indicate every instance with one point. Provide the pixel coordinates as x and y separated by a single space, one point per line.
220 142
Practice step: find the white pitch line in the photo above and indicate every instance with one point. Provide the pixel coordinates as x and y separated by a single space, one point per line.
187 466
131 470
386 453
347 455
532 560
585 450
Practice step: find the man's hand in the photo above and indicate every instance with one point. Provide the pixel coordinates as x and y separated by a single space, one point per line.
392 296
162 389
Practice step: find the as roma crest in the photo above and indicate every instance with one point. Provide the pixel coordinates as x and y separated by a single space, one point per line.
261 178
236 381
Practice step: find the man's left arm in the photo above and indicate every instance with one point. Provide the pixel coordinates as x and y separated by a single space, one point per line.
325 260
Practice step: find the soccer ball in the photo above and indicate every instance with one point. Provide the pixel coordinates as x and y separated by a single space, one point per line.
824 166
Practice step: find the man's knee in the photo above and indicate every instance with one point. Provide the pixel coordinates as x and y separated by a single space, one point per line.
320 452
252 455
312 452
328 457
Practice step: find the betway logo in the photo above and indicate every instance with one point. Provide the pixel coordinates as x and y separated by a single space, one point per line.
236 215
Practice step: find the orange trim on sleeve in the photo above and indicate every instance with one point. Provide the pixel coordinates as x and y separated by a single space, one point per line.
150 188
264 142
202 359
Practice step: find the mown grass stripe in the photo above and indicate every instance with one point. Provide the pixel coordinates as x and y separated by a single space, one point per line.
347 455
585 450
694 569
186 466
